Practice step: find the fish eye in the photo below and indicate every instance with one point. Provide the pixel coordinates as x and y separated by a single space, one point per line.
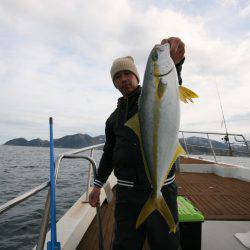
155 55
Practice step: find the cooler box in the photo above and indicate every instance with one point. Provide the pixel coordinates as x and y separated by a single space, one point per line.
190 220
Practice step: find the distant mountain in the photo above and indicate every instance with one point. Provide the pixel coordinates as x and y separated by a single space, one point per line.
68 141
194 145
199 145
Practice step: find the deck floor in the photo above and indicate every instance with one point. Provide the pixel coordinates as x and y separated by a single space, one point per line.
216 197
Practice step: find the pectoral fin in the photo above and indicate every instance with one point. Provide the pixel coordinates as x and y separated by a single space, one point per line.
133 123
161 89
186 94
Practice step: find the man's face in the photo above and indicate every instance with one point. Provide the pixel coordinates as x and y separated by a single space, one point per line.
125 81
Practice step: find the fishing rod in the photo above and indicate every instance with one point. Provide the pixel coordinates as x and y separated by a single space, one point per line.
226 138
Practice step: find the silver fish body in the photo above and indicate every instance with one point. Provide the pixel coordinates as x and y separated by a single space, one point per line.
159 114
157 126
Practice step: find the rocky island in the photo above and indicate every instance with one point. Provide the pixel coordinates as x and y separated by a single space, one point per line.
68 141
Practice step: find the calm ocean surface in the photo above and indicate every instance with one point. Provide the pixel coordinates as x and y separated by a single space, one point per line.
22 168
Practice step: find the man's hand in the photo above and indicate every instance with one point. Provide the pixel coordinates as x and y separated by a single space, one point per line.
177 48
94 197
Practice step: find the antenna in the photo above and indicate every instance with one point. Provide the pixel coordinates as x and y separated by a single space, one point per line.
226 138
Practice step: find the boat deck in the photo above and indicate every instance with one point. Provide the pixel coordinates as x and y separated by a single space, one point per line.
216 197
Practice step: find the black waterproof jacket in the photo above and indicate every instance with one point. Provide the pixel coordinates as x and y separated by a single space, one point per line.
122 151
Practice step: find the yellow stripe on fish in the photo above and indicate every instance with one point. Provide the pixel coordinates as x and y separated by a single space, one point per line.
156 123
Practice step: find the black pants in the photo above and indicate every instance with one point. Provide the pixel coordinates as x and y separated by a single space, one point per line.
129 202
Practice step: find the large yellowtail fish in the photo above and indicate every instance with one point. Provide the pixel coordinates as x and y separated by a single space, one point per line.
157 125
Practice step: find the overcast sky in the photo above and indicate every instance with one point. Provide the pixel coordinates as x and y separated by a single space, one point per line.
55 59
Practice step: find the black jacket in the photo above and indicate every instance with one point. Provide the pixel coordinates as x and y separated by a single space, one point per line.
122 150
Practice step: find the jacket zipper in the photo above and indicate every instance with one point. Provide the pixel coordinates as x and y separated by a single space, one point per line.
126 111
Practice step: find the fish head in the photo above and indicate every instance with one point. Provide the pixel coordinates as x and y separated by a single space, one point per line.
161 60
162 67
158 74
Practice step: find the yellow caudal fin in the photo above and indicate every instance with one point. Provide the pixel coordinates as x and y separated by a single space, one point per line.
133 123
159 204
147 209
186 94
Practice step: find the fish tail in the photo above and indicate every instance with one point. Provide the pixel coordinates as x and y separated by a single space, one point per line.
159 204
147 209
186 94
163 208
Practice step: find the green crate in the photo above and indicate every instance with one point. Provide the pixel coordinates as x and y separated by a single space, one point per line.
187 212
191 221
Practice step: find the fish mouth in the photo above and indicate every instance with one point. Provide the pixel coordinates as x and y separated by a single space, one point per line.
160 47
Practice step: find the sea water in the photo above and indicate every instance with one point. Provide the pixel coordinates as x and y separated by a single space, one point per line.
22 168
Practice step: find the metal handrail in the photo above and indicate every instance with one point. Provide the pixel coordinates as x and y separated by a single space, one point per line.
216 148
44 223
93 164
211 147
73 152
89 176
11 203
70 154
212 133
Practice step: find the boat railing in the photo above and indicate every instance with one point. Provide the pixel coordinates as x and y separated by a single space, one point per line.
214 144
73 154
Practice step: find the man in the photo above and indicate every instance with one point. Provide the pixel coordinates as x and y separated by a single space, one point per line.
123 155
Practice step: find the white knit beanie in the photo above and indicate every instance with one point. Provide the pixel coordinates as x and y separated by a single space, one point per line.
124 63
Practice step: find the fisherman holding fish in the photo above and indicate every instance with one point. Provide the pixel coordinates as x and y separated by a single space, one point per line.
142 146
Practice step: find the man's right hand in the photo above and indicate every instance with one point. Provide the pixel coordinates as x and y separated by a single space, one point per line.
94 197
